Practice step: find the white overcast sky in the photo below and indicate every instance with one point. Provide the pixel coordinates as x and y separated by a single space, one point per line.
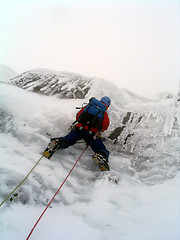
134 43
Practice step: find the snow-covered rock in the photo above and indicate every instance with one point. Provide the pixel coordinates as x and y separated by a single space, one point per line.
165 95
61 84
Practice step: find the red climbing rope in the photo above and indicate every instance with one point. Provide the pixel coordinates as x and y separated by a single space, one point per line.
56 193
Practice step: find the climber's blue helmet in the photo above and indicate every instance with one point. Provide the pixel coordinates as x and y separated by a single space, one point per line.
106 100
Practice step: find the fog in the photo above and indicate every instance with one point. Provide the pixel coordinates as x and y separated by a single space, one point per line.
132 43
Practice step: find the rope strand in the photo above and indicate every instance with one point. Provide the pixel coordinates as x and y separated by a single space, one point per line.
56 193
21 181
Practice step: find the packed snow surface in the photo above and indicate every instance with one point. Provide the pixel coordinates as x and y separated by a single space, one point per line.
137 200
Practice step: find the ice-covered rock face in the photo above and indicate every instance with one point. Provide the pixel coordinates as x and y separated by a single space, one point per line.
149 134
62 84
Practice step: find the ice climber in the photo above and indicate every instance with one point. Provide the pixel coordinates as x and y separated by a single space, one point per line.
91 120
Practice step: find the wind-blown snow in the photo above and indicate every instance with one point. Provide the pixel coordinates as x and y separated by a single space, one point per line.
144 204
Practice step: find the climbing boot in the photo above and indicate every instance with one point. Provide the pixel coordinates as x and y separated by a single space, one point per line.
101 162
52 147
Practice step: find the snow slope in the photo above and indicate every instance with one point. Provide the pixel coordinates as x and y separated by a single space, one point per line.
6 73
144 204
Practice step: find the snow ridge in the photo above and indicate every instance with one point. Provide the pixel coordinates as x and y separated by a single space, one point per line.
62 84
71 85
